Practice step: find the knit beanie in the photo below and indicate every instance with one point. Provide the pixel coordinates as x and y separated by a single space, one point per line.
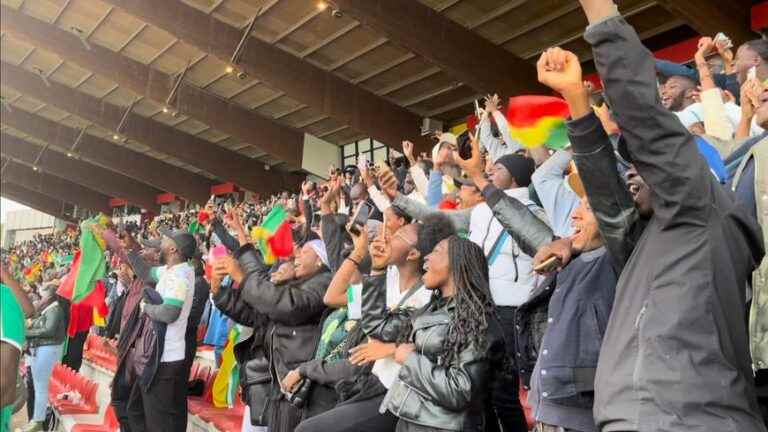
519 167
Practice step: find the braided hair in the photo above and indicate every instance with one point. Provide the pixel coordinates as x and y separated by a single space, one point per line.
474 304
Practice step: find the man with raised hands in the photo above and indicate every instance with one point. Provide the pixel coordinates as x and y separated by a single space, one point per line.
675 354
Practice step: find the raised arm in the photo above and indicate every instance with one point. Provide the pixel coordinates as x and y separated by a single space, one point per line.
558 200
663 152
593 152
607 193
527 229
229 241
419 211
287 304
518 220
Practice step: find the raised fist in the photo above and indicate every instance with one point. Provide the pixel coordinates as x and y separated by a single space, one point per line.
560 70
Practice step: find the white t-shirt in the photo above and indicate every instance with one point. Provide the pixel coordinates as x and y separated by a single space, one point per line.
387 369
177 287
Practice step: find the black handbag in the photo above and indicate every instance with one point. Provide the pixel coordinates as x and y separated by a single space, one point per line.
300 396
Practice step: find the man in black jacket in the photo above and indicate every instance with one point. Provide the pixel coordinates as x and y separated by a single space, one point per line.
675 354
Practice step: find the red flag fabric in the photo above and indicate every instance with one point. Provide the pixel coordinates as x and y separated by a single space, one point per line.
281 242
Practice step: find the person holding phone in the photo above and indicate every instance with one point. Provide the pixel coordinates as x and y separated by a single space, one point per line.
577 299
290 311
385 321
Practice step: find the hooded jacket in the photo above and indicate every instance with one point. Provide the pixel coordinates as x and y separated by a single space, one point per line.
679 312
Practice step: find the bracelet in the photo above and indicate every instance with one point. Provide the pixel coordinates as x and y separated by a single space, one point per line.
357 264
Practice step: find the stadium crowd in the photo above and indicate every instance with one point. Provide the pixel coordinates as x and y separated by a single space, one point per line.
616 284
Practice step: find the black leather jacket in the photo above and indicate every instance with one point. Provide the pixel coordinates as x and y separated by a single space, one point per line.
377 320
285 320
48 328
429 392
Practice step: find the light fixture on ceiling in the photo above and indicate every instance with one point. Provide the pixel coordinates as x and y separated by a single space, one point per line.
81 35
69 154
43 76
322 5
229 69
115 137
35 168
165 109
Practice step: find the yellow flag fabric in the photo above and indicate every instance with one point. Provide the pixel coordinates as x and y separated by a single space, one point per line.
226 382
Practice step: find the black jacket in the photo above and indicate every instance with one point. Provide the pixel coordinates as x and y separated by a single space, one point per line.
432 393
286 327
200 298
675 355
294 310
48 328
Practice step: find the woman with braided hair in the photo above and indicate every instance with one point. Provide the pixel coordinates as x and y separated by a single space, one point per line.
452 345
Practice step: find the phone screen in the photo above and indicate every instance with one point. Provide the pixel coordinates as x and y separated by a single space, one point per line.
361 217
219 251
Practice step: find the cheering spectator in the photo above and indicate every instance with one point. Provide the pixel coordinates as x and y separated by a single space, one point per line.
684 284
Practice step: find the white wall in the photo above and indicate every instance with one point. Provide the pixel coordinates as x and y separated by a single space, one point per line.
319 155
24 224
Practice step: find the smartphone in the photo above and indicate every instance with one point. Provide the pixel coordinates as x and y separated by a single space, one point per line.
721 37
219 251
362 162
752 73
548 266
360 218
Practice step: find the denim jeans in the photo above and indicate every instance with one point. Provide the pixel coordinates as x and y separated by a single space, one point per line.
42 360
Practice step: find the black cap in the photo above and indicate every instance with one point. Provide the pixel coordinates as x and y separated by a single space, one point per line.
520 167
185 242
463 180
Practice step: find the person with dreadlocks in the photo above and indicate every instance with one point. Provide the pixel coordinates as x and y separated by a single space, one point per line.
385 321
452 347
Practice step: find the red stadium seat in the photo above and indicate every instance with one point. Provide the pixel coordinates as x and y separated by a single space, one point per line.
65 380
110 423
197 404
231 420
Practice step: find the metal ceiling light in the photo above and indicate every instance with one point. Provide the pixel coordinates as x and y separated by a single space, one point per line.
124 119
35 167
239 49
81 35
322 5
42 75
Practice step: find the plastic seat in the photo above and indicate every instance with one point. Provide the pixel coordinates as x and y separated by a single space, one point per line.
110 423
231 421
76 383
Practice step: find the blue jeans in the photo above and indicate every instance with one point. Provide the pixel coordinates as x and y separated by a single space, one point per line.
41 361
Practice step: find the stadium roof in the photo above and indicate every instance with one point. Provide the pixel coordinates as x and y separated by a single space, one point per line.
178 95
